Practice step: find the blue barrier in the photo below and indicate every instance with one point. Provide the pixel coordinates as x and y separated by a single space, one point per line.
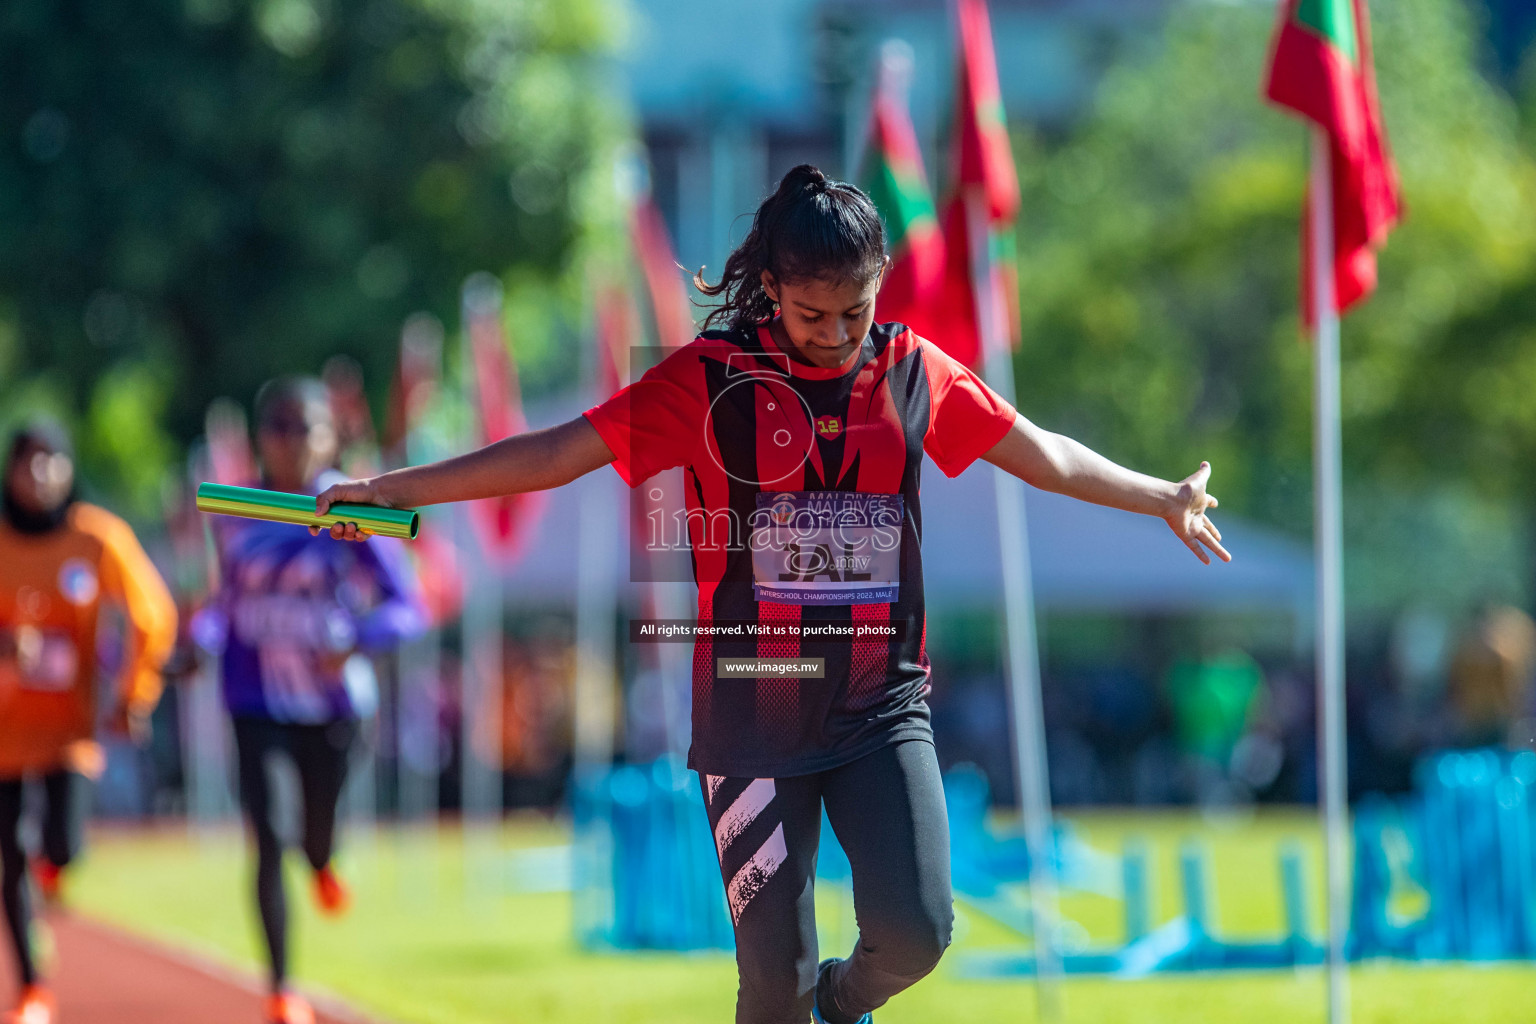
1447 873
646 876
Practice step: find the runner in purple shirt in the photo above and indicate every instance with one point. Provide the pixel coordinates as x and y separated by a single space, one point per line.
295 618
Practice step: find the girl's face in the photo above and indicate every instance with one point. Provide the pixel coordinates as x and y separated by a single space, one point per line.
823 322
296 441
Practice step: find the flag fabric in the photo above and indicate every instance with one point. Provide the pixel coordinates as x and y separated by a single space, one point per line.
615 329
412 392
1321 68
672 316
979 214
892 175
958 329
504 523
983 154
415 384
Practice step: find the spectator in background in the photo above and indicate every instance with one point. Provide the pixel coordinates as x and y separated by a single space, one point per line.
59 559
1215 700
296 617
535 720
1491 674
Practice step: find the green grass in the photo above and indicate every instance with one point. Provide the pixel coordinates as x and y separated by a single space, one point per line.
434 939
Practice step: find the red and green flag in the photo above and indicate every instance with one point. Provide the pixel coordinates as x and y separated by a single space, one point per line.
1321 68
983 154
504 523
893 177
979 216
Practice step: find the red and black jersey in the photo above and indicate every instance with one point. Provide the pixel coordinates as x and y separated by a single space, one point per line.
802 497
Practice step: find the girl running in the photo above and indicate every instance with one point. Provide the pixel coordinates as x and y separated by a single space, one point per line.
801 427
291 616
59 559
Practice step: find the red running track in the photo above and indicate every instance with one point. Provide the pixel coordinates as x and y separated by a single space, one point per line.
104 976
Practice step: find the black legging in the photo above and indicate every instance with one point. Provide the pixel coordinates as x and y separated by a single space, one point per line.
63 813
887 809
320 754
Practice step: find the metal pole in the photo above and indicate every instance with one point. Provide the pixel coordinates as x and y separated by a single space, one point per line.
1025 707
1328 530
596 607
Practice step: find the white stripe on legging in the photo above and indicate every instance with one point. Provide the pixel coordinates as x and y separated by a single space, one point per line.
742 813
713 782
754 874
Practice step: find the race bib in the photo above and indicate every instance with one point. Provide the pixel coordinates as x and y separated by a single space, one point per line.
826 547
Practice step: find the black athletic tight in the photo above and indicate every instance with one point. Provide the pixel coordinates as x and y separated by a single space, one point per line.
320 754
887 810
62 827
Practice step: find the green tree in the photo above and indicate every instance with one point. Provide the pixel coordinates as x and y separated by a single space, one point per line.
198 194
1159 261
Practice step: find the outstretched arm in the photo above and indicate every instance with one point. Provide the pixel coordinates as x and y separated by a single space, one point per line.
1054 462
531 461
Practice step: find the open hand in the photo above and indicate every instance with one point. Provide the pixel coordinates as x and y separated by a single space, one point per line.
1189 519
351 492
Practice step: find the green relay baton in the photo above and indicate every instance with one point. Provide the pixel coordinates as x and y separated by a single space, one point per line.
282 507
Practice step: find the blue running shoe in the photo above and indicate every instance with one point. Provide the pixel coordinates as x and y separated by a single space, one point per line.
821 972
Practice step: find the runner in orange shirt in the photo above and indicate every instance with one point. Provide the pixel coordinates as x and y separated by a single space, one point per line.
59 559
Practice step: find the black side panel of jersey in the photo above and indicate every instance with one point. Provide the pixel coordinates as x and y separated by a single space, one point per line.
735 427
909 379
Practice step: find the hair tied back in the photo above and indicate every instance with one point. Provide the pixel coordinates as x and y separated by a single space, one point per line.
811 226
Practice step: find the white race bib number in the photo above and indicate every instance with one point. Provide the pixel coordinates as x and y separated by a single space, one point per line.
826 547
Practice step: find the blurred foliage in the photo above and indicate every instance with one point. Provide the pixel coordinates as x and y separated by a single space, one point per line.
1159 276
198 194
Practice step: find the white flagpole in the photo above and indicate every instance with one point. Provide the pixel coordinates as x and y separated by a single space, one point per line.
1026 712
1328 531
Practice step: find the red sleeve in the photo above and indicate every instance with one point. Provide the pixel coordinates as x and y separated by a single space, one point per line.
658 421
965 417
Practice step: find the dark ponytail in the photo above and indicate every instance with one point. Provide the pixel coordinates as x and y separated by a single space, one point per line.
811 227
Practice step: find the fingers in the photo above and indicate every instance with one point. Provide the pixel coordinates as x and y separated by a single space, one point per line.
1201 475
344 531
1204 531
350 490
1200 531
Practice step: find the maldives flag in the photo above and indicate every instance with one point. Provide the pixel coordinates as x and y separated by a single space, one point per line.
1321 68
983 154
893 177
504 522
978 217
